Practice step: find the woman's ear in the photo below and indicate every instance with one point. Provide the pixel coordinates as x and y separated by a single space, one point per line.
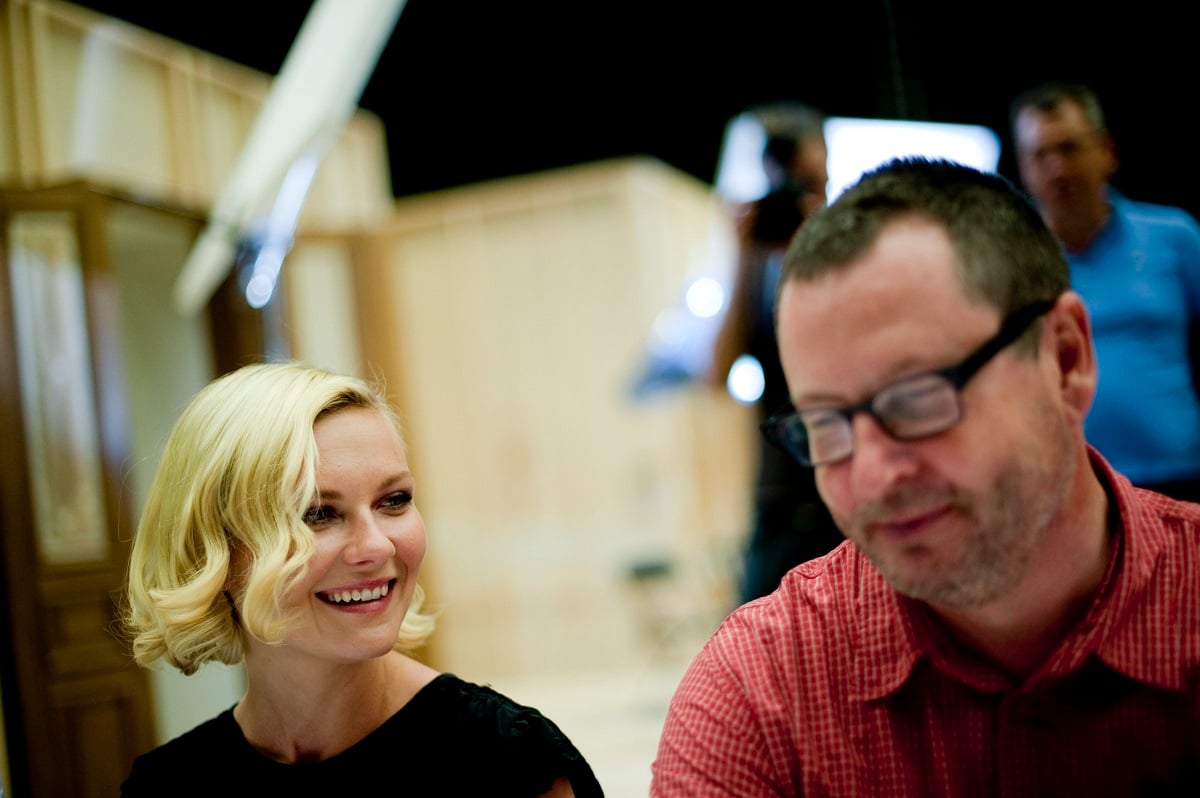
233 611
236 574
1070 332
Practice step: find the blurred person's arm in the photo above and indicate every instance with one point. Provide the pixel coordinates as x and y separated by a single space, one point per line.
733 334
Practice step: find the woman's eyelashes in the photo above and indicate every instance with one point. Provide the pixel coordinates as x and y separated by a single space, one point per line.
319 515
324 514
398 501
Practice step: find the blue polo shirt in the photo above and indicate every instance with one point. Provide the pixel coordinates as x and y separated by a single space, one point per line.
1140 280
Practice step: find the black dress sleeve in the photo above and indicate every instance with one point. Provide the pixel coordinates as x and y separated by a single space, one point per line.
531 751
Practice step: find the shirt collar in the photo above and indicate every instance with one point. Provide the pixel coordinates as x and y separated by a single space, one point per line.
1129 610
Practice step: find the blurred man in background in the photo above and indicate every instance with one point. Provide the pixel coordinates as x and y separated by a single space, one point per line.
1137 267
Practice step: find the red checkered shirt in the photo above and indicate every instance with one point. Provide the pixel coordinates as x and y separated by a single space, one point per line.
835 685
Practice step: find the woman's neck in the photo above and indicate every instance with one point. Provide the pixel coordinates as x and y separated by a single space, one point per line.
295 711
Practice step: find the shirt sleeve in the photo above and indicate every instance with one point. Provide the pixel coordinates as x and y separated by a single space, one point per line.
527 749
712 742
137 783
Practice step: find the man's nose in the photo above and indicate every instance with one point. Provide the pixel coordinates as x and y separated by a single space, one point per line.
1056 161
879 459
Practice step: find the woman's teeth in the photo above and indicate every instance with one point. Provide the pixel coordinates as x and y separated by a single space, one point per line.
346 596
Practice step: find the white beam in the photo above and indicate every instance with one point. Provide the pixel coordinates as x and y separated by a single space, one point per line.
315 93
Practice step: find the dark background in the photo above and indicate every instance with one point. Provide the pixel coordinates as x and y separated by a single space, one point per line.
471 90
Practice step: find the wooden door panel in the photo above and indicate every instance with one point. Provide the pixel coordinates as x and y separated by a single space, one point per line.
96 714
74 700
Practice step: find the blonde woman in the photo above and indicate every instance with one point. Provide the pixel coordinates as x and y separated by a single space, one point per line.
281 532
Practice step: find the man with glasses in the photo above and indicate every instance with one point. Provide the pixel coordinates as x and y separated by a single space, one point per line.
1137 266
1009 616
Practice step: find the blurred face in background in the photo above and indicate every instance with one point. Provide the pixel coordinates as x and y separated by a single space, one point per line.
1064 162
809 169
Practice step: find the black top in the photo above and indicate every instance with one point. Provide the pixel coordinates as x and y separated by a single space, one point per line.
780 478
453 738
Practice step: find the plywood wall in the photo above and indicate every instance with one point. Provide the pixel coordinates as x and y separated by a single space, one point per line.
85 96
510 320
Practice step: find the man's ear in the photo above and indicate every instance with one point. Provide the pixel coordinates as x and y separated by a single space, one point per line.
1110 147
1070 333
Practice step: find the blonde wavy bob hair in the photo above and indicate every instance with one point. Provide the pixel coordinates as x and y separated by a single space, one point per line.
237 472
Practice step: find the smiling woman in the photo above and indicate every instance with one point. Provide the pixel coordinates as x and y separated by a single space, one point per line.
281 532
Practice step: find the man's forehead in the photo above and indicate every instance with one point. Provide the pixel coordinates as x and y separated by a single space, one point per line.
1034 121
911 262
910 270
842 345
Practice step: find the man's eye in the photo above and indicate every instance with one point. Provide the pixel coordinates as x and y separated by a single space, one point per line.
917 400
912 395
922 402
822 421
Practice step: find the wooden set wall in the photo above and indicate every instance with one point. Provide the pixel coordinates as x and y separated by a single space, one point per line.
510 321
87 96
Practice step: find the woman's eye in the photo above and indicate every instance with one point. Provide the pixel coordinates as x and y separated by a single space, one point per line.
398 501
315 516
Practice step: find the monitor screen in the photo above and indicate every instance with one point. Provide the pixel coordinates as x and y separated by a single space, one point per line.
855 146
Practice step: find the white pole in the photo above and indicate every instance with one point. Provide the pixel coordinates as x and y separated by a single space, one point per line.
316 91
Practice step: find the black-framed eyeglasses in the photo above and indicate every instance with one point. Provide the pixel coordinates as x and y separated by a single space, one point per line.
915 407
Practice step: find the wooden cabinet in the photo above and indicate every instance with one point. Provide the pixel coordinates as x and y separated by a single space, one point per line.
77 710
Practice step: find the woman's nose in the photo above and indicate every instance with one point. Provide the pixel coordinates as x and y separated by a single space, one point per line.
368 540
